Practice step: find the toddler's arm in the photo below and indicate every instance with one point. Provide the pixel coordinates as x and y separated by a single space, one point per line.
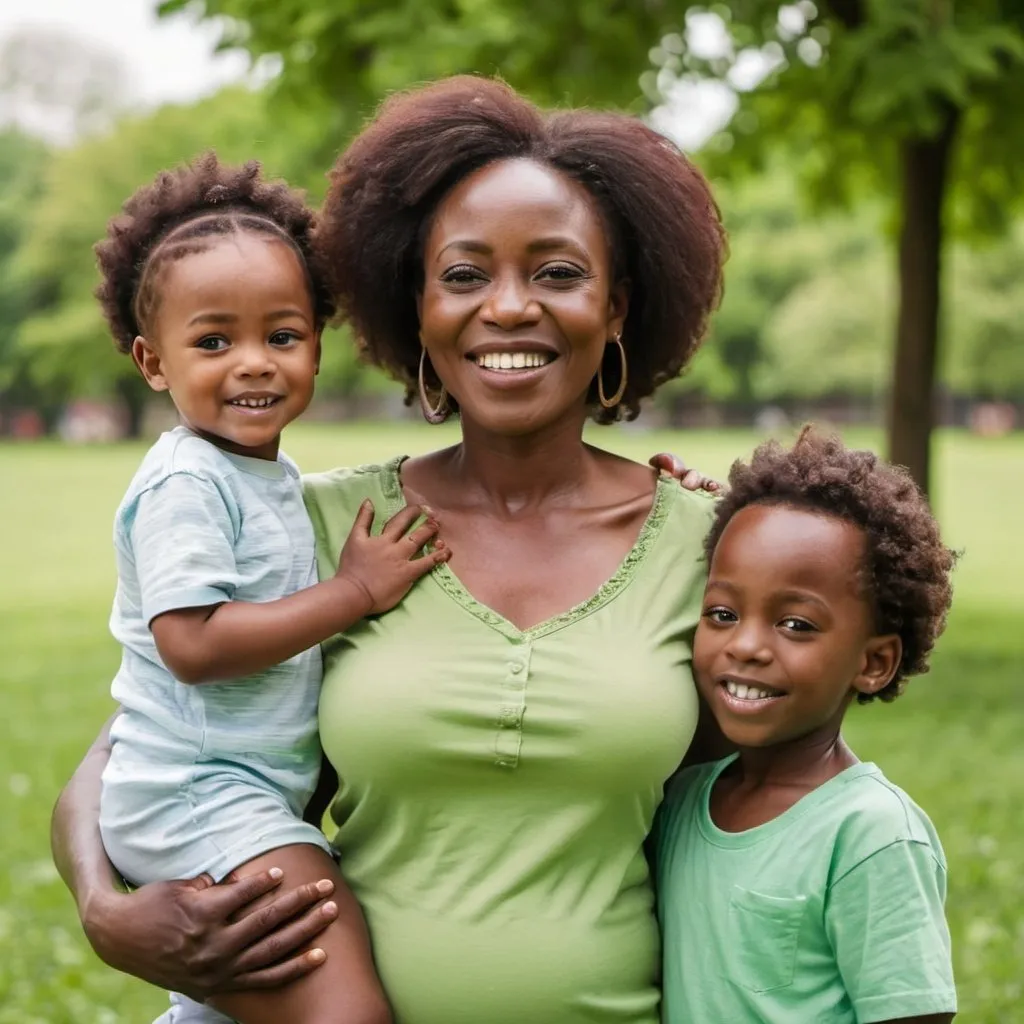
233 639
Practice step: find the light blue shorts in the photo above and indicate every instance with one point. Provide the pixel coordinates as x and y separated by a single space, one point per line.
168 811
184 1011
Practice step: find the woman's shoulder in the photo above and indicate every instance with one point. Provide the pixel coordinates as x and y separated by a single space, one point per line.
333 498
337 488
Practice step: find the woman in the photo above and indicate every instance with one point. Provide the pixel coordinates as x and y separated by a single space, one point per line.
503 737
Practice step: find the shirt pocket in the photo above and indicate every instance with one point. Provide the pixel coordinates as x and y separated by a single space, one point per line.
765 933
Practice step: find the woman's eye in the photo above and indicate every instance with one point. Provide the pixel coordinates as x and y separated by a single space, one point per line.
281 338
212 343
719 616
462 274
561 272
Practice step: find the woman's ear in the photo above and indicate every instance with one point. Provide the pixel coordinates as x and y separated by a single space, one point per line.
881 659
147 359
618 308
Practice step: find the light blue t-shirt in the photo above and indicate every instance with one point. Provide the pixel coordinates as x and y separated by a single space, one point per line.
200 526
833 911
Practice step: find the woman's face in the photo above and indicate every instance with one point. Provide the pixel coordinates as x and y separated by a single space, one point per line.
518 301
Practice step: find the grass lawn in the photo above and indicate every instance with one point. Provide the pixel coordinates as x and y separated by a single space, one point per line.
955 740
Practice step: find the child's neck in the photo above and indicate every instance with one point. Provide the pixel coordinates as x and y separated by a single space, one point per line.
765 782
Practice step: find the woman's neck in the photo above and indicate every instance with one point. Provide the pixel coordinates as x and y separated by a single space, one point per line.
513 474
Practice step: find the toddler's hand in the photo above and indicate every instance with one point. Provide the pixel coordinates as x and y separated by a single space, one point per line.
384 567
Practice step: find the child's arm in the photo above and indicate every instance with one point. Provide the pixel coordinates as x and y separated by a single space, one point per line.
233 639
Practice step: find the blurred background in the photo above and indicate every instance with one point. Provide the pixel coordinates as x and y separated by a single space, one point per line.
869 162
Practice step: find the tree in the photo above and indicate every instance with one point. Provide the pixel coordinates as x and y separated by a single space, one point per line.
902 96
59 84
22 159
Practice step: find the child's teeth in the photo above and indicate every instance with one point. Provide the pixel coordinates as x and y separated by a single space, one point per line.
743 692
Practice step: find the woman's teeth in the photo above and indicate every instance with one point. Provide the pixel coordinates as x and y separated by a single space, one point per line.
743 692
512 360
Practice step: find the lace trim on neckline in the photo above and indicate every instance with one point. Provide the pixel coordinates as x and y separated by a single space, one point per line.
453 587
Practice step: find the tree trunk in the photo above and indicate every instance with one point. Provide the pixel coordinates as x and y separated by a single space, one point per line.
925 171
134 395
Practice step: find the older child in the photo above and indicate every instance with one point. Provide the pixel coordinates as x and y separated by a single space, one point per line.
795 882
210 283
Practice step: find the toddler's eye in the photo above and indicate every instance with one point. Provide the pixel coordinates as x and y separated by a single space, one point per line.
212 343
282 338
795 625
720 616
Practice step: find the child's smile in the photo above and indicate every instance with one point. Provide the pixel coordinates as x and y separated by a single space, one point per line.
234 342
786 635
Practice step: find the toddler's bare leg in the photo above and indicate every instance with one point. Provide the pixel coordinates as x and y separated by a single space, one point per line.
345 990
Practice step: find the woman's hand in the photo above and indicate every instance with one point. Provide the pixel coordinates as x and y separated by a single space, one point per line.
691 479
203 939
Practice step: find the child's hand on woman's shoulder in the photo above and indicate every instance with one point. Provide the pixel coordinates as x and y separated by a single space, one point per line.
384 567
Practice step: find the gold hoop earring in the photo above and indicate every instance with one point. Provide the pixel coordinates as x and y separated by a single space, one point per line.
610 403
432 414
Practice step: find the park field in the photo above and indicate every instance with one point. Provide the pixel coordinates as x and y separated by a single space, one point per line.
955 741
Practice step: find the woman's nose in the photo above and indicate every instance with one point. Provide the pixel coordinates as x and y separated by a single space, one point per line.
510 303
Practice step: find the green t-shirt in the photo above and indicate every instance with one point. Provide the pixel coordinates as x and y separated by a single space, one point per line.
831 912
497 784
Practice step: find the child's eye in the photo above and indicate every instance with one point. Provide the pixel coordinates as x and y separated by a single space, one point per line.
212 343
795 625
281 338
720 616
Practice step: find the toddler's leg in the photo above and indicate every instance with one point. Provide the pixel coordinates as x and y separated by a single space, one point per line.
345 990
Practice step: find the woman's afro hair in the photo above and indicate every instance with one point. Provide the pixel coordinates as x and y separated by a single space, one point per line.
664 229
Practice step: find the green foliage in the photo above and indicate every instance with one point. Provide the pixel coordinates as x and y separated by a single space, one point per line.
356 51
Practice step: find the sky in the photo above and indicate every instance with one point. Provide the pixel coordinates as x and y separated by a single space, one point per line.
173 59
167 59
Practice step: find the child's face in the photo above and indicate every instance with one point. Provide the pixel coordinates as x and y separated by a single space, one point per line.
786 636
233 338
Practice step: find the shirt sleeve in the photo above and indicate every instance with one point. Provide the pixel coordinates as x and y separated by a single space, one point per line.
885 919
182 542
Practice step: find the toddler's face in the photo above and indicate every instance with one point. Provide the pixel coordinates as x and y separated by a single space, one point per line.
234 340
786 634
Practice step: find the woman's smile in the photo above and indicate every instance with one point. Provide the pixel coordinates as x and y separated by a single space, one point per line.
518 300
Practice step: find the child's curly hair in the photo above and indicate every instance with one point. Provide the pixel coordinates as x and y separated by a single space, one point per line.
188 210
907 566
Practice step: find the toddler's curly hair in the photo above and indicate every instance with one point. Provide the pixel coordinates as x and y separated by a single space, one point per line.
907 567
188 210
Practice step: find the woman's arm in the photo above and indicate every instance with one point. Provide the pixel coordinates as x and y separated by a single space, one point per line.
187 936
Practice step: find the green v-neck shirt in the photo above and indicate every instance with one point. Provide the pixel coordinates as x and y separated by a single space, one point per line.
497 784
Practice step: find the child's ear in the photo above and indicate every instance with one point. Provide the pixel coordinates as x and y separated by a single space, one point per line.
881 659
319 352
147 359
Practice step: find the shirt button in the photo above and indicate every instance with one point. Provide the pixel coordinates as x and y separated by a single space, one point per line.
516 667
